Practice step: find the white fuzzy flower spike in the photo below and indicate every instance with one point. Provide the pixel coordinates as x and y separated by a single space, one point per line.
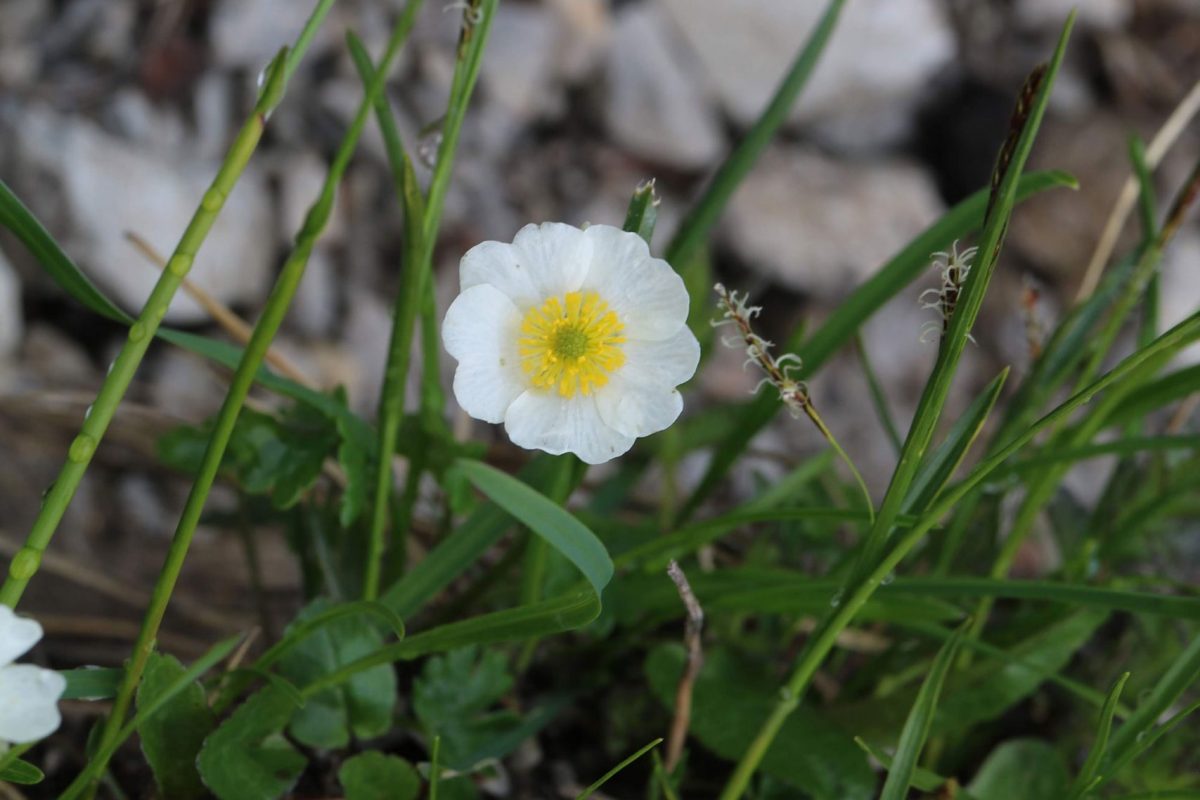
574 339
28 694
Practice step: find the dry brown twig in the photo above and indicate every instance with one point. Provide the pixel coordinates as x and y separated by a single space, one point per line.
695 660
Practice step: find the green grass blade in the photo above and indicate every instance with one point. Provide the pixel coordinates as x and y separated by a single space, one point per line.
1091 768
940 466
643 211
704 214
1179 676
606 777
878 395
849 316
919 722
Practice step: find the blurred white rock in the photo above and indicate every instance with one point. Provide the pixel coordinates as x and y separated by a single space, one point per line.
876 68
518 66
248 33
1180 287
110 186
656 108
821 226
1051 14
11 326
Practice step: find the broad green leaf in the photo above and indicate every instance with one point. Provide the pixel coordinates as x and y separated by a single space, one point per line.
91 683
990 688
361 707
247 757
731 697
172 738
1026 768
146 711
376 776
559 528
919 722
21 772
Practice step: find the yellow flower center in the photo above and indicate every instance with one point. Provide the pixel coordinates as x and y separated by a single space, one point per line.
571 343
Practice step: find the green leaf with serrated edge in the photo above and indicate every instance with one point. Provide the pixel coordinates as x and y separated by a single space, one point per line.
363 706
22 772
377 776
455 697
841 325
247 757
1026 768
172 738
919 722
730 697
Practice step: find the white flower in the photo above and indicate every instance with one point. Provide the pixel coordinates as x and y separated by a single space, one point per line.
574 339
28 694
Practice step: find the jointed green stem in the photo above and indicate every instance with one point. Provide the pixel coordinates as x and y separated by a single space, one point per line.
422 218
252 359
26 561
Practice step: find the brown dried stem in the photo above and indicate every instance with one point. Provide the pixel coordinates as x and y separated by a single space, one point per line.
695 660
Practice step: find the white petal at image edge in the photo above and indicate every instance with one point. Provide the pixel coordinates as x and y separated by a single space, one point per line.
17 635
29 702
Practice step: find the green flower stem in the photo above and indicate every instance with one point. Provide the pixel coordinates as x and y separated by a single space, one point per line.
252 359
26 561
1129 371
422 218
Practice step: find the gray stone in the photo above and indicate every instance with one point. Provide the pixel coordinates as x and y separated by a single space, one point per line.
881 58
1051 14
248 33
518 65
110 187
655 107
822 226
11 326
1180 287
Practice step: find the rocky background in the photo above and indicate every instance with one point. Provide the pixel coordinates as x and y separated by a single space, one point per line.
115 113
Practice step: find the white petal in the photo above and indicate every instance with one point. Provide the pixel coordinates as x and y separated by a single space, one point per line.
29 702
640 398
556 256
496 264
546 260
481 332
671 361
17 635
646 293
540 420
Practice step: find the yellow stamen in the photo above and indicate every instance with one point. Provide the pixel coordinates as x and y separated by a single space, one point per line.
571 343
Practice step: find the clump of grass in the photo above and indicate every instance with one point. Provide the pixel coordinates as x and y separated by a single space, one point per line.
542 588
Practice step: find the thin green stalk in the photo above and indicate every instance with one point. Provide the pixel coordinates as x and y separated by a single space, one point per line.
825 637
878 396
243 378
26 561
704 214
422 219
